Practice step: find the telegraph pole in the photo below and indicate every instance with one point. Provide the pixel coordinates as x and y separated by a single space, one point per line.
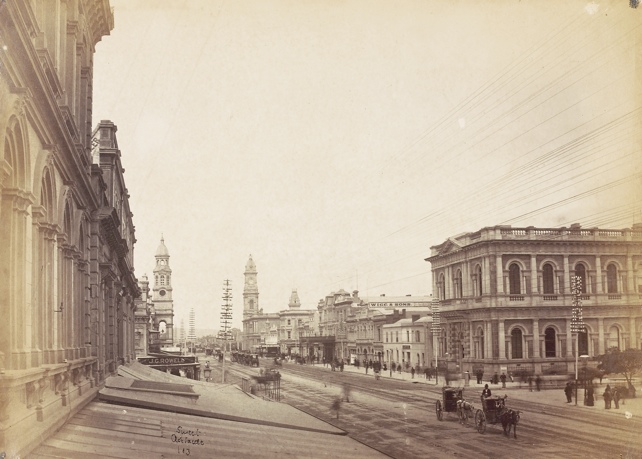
226 319
577 321
436 331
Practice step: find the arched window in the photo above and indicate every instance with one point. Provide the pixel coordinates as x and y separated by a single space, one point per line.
611 278
251 303
516 344
478 273
614 337
162 280
417 337
457 284
580 271
548 278
514 279
441 287
480 343
407 336
549 342
582 343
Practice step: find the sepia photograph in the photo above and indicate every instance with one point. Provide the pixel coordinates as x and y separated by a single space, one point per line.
320 229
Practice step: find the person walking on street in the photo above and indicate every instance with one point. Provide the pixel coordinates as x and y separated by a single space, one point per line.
589 395
568 390
607 397
538 382
412 372
480 375
615 394
530 384
503 380
346 392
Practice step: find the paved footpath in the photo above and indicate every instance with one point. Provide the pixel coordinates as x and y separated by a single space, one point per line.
520 391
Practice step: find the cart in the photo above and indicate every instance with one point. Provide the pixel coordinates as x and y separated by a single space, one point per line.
448 402
494 411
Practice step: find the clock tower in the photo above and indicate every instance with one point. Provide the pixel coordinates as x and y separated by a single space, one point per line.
250 290
162 296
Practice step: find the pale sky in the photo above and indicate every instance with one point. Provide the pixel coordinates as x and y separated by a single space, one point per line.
337 141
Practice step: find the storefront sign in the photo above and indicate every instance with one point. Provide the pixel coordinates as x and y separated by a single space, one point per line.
169 360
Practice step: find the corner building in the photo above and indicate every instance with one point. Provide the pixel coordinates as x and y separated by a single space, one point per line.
506 301
67 283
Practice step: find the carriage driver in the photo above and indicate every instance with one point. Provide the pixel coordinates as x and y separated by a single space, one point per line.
486 391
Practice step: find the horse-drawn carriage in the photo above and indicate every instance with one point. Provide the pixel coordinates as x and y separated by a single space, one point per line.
494 411
448 403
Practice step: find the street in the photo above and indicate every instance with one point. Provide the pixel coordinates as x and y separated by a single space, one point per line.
397 417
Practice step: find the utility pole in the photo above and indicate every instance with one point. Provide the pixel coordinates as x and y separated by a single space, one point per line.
436 331
226 319
577 321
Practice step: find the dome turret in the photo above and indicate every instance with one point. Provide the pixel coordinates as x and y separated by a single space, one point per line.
162 251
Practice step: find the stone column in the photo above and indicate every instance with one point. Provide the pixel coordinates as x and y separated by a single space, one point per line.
630 276
488 340
502 340
536 345
533 274
500 275
600 329
566 287
598 275
569 339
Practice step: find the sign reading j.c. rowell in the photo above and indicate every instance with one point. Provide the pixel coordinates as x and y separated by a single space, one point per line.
169 360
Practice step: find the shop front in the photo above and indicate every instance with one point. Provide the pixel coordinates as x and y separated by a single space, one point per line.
186 366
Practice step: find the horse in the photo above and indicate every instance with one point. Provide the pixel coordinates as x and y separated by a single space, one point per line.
465 410
509 418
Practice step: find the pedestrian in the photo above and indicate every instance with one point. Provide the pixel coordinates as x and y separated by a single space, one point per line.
538 382
480 375
366 365
530 384
412 372
346 392
486 392
615 394
342 363
607 397
589 395
568 390
495 379
503 380
427 373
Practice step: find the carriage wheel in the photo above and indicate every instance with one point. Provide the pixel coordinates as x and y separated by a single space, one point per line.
439 410
480 421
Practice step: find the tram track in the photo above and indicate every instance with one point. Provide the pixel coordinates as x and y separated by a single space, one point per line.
398 419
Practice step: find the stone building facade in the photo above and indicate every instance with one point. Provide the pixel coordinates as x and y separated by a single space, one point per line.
67 283
290 322
506 300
